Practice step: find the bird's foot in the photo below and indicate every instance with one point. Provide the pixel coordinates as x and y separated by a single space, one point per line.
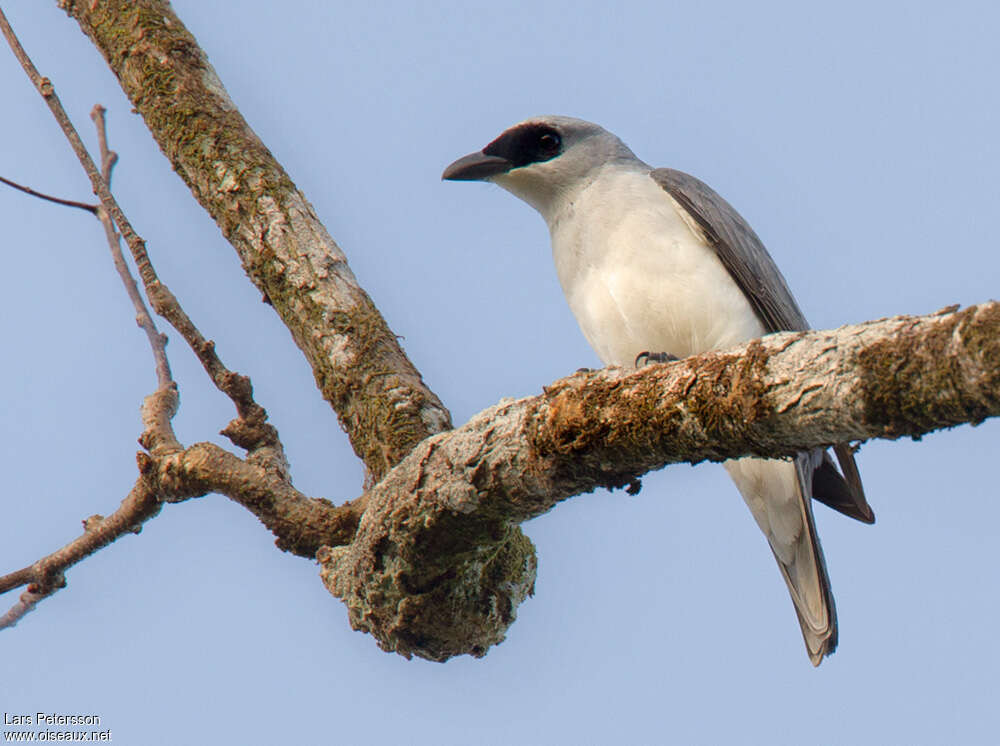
648 358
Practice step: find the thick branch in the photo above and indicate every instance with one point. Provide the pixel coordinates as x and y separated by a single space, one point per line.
301 524
434 569
377 393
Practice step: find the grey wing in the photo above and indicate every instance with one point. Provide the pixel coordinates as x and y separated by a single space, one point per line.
755 272
739 249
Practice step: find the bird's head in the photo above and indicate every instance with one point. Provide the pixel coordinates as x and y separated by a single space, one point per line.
543 158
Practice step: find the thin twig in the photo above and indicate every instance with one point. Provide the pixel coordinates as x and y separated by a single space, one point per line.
49 197
253 432
283 509
44 86
45 576
26 603
157 341
108 157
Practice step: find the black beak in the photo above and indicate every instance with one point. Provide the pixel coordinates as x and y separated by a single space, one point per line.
476 167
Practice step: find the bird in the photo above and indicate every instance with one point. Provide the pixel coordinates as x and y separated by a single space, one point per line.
656 266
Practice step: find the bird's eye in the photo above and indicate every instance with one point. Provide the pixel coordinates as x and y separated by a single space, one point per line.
549 142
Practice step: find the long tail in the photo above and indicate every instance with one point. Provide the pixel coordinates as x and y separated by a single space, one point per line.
779 496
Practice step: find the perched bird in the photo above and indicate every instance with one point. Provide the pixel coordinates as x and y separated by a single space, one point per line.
654 263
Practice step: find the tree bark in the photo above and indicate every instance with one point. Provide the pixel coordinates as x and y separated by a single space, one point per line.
359 366
429 573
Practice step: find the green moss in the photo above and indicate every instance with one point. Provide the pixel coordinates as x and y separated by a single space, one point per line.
915 383
614 430
383 427
732 394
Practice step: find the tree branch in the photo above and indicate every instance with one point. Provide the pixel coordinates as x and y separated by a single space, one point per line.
45 576
301 524
157 341
359 366
434 570
58 200
169 473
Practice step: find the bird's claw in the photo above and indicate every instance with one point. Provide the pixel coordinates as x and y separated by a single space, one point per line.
647 358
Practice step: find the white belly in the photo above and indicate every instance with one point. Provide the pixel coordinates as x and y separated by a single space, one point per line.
640 279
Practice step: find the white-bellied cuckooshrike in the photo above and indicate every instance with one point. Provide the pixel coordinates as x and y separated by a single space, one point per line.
654 261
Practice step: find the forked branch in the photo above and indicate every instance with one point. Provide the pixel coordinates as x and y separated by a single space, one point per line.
169 472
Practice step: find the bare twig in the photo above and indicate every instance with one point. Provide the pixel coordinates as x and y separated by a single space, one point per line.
49 197
301 524
253 432
168 472
160 476
25 604
45 576
250 430
108 157
157 341
144 501
44 86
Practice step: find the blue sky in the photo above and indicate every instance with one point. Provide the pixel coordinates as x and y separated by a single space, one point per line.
860 142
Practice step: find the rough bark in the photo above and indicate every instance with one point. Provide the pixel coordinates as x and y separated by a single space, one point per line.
359 366
428 572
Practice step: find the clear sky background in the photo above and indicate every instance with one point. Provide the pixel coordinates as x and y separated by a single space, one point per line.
858 138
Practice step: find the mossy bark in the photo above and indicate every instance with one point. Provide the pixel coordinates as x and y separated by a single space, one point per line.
421 556
359 366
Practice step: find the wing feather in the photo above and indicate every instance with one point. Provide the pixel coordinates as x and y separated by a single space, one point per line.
743 254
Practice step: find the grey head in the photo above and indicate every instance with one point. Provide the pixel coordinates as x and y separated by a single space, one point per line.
542 157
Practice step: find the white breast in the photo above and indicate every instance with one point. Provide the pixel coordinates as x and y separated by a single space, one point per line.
638 277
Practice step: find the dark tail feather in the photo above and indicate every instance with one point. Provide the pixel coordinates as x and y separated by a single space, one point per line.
842 492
